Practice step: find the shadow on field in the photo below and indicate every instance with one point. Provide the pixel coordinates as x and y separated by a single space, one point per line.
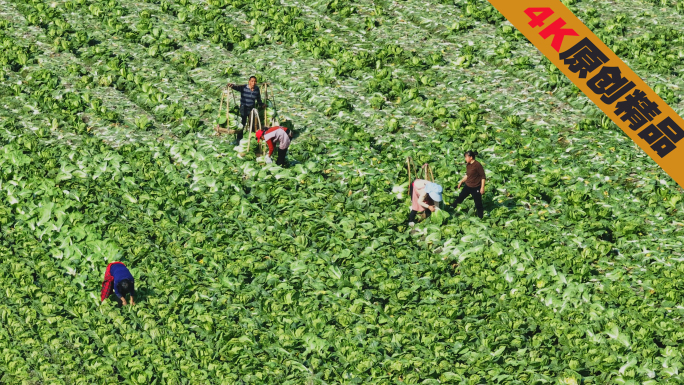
467 207
141 295
491 204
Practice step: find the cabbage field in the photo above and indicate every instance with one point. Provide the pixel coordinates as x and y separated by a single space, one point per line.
249 273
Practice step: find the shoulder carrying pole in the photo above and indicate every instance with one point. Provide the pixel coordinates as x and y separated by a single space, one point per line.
266 98
237 117
254 118
265 107
427 172
218 125
272 99
218 129
408 168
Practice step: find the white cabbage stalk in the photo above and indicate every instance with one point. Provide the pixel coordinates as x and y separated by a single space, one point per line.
242 147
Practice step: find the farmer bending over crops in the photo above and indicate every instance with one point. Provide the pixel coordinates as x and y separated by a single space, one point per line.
118 279
249 96
278 134
424 194
474 183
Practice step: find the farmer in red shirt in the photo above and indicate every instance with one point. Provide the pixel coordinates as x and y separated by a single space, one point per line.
119 280
276 134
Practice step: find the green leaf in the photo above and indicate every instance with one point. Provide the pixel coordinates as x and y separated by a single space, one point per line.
45 213
335 272
128 197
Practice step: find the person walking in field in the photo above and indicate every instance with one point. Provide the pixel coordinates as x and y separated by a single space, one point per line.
250 96
118 279
279 134
424 196
474 183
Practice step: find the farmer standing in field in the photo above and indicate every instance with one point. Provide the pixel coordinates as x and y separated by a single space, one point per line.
474 183
119 280
424 195
279 134
250 95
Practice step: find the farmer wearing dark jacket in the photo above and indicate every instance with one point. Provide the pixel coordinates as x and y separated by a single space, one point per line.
119 280
474 183
250 95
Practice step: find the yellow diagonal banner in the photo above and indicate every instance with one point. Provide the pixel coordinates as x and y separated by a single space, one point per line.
603 77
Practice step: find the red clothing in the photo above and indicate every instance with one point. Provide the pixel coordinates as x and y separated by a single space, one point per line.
283 138
108 284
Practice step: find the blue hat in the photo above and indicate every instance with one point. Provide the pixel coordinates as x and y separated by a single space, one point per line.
434 191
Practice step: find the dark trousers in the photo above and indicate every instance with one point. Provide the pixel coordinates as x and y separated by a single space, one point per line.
412 214
477 197
281 157
244 114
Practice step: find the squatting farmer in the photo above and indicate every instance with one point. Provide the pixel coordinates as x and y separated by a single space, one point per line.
250 95
474 183
119 280
424 196
279 134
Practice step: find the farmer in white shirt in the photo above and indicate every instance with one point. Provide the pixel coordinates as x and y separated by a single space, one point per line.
424 196
279 134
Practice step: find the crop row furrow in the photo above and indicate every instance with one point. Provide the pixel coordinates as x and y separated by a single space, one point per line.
296 89
452 51
56 104
79 42
179 88
284 55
